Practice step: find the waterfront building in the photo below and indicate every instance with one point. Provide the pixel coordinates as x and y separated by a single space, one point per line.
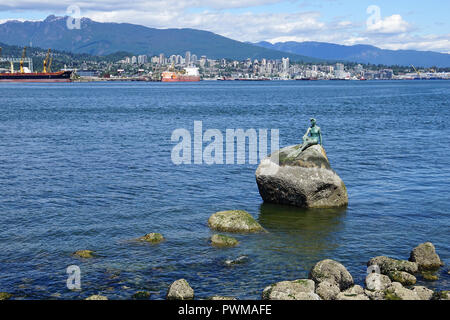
187 58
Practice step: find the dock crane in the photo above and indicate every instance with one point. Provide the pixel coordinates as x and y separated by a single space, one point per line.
46 62
24 52
50 64
418 73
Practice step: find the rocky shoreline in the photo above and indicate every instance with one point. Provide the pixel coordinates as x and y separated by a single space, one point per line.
387 278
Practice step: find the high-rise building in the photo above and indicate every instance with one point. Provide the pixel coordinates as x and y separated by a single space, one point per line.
194 59
142 59
285 62
133 59
187 58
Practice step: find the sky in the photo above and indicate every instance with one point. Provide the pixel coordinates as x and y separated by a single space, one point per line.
399 24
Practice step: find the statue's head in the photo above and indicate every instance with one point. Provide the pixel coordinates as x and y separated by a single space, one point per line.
313 121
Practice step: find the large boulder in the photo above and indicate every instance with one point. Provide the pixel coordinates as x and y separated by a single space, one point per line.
303 179
403 277
426 257
180 290
302 289
377 282
332 272
327 290
423 292
234 221
388 265
397 292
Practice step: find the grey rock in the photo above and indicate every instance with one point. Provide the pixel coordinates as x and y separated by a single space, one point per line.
423 292
377 282
302 289
303 179
221 298
327 290
238 260
180 290
426 257
397 292
234 221
387 265
374 295
332 272
220 240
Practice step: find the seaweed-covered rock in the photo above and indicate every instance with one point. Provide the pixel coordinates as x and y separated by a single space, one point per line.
332 272
220 240
180 290
327 290
5 296
377 282
397 292
96 297
303 179
234 221
441 295
426 257
429 276
387 265
403 277
152 238
302 289
86 254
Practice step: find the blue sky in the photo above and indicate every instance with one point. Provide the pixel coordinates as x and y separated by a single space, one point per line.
420 25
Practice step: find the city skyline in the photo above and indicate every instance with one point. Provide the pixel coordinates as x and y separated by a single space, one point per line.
399 25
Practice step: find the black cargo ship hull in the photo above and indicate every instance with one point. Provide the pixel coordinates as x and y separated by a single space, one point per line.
60 76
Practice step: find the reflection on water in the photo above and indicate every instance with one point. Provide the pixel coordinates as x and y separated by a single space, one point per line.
302 235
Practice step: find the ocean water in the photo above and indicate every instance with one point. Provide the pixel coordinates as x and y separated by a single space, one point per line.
88 166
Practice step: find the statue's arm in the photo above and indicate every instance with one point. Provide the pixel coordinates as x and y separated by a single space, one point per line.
307 132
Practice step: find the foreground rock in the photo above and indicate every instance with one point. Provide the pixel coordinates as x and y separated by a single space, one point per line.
180 290
423 292
327 290
220 240
377 282
426 257
403 277
302 289
152 238
388 265
96 297
354 293
86 254
302 179
333 272
397 292
234 221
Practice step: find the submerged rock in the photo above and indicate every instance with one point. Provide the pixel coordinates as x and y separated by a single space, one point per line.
180 290
403 277
332 272
388 265
152 238
430 276
234 221
441 295
96 297
302 289
220 240
5 296
303 179
238 260
426 257
86 254
141 295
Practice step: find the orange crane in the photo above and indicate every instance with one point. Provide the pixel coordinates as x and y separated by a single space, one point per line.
46 61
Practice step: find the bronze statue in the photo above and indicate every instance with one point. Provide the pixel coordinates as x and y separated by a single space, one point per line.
315 135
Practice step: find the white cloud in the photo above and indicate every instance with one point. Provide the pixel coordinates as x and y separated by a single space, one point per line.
389 25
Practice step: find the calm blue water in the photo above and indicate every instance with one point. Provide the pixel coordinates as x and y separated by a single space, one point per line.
88 166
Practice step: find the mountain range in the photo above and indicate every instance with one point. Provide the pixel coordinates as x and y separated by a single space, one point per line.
98 38
361 53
